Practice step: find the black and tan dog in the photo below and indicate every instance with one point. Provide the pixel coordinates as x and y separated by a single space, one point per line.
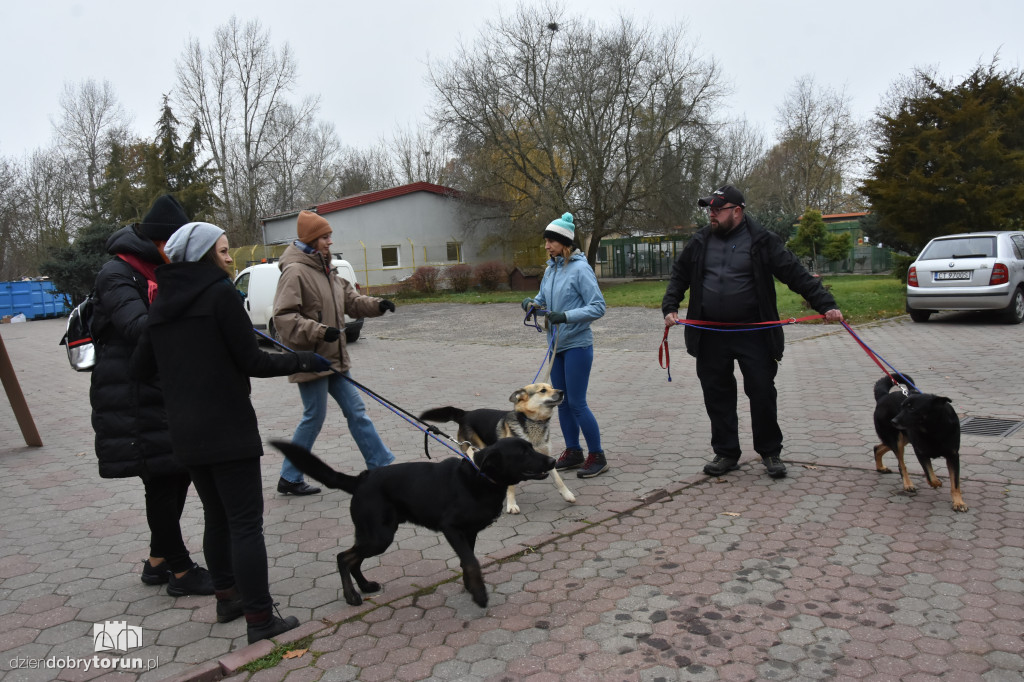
530 419
450 496
928 422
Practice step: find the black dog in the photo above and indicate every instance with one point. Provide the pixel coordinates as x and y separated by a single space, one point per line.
451 497
926 421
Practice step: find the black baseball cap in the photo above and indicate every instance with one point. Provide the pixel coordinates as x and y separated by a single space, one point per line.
726 194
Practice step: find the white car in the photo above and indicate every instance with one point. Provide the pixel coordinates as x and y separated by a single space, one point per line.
972 271
258 283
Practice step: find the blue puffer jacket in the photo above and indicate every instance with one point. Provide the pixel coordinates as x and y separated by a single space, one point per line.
570 287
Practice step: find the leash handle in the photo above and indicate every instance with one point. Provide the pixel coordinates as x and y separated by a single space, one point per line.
532 312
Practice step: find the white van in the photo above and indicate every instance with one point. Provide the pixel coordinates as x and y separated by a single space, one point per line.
258 283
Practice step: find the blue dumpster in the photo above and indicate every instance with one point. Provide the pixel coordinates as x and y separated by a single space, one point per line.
35 298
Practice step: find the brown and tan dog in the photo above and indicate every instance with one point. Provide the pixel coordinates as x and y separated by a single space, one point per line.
530 419
925 421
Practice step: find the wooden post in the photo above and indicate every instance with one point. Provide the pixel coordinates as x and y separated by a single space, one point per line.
17 399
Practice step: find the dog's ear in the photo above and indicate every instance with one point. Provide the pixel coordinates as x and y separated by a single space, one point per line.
517 396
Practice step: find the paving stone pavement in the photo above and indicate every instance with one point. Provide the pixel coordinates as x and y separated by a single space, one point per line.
656 573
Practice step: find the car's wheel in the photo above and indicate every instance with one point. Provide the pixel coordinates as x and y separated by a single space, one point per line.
351 335
920 315
1014 313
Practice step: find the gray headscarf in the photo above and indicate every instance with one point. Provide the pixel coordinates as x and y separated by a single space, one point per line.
191 241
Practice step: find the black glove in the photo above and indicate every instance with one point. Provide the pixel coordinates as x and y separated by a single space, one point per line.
556 318
386 305
311 362
332 334
527 302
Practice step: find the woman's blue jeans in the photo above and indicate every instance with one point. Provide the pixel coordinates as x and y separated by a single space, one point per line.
570 372
314 401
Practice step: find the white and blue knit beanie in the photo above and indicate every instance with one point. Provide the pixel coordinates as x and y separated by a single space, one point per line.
191 242
561 230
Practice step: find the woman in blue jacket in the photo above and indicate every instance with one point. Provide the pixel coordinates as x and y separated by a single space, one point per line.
570 293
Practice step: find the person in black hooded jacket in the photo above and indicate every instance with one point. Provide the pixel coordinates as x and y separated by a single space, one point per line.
128 415
730 267
200 341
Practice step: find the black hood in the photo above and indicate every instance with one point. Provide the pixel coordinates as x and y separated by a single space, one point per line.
179 285
127 241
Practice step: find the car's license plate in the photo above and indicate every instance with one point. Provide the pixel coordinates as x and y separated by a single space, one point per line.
952 274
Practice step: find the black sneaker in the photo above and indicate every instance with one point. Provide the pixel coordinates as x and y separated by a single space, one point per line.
286 487
272 627
196 581
721 465
595 464
775 467
571 458
155 575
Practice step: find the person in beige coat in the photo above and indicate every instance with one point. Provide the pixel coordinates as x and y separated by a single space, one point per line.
309 314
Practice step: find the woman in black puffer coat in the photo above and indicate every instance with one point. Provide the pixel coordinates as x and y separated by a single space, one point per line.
128 416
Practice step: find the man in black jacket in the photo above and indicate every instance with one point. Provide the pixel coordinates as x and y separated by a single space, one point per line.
729 267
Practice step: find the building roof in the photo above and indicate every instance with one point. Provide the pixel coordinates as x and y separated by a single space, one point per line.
380 195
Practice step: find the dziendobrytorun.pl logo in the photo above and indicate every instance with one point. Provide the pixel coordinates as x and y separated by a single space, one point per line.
107 637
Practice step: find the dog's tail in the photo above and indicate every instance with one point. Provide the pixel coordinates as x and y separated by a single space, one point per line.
443 414
883 385
311 465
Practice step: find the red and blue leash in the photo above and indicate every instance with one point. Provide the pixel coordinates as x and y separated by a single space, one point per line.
663 355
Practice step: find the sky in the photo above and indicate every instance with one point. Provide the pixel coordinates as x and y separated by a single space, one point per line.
367 61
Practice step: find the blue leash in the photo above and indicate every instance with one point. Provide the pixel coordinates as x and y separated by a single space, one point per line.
430 430
549 354
876 357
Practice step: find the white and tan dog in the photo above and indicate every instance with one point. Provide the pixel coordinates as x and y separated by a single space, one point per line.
530 419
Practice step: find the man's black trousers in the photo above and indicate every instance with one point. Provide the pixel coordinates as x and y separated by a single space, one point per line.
718 354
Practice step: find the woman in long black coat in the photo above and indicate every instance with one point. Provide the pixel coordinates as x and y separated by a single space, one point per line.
203 346
127 414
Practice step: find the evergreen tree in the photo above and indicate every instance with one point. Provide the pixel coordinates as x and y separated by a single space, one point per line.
811 236
950 157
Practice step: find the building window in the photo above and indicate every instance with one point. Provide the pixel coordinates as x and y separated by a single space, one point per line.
454 252
389 256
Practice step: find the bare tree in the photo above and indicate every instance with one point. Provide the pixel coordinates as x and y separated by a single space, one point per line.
553 114
91 119
365 170
12 234
420 156
305 166
816 162
237 90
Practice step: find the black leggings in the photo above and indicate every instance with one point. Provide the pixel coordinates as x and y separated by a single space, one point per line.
165 500
232 495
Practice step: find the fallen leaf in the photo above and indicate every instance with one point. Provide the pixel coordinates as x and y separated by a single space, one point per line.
294 653
730 514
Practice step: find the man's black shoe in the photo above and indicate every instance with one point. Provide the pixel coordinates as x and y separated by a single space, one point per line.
286 487
721 465
775 467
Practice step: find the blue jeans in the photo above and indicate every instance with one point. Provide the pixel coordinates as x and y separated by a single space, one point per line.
570 372
314 402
